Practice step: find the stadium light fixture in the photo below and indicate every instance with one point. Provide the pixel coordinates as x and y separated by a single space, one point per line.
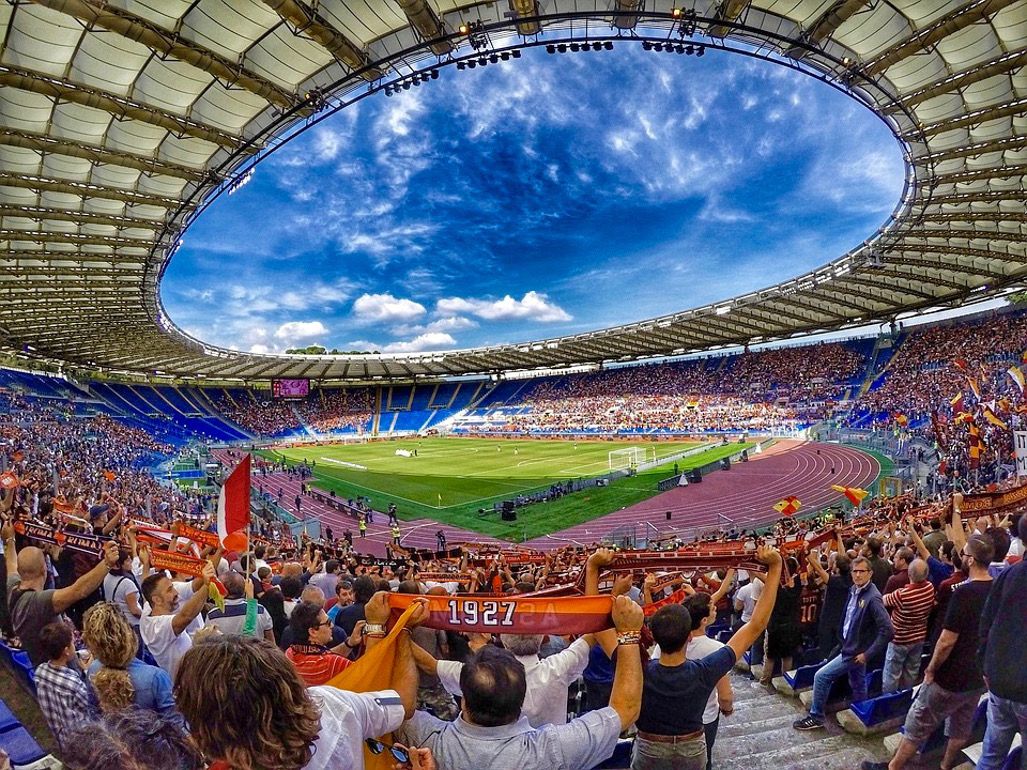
723 310
550 48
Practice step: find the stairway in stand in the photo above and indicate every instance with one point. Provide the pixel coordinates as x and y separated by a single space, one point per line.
759 736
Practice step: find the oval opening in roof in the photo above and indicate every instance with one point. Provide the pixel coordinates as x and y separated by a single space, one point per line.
533 198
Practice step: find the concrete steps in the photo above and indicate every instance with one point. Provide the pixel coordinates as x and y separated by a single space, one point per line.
759 736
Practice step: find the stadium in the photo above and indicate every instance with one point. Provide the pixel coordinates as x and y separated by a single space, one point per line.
778 526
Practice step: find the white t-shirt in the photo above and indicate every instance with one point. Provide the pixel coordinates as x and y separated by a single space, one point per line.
748 595
545 702
159 635
117 589
700 647
347 720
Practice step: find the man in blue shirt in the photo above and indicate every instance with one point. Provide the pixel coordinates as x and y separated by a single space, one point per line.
866 631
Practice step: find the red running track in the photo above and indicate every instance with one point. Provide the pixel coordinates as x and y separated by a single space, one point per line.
745 495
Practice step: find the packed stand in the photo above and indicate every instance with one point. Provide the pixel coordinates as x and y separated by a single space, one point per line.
773 391
338 410
279 659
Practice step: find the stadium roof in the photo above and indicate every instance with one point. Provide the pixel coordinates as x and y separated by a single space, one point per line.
122 120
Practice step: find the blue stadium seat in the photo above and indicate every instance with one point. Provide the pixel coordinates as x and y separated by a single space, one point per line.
7 718
882 708
802 677
24 670
20 746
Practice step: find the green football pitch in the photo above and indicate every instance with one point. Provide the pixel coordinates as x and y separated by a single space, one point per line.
452 479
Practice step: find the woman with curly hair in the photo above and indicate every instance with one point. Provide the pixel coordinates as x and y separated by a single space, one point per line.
120 679
248 707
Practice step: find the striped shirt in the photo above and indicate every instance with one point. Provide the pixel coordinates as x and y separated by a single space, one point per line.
317 665
911 606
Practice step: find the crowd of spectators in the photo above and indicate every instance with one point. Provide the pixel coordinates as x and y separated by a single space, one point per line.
119 643
773 391
324 410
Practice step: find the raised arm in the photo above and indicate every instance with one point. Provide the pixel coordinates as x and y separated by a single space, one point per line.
918 541
626 695
10 554
89 582
190 609
744 637
818 569
725 586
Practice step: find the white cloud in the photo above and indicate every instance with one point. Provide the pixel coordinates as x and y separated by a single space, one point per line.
447 324
295 331
327 143
260 349
384 308
427 341
533 305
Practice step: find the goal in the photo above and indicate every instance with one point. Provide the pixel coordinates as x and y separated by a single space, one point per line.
631 458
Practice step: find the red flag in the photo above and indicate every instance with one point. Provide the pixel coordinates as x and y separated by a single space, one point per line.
234 505
960 363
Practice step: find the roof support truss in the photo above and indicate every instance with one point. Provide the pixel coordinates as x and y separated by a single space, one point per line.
41 184
118 21
118 106
43 144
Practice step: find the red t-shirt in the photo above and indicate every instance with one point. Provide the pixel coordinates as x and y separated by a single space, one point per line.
317 665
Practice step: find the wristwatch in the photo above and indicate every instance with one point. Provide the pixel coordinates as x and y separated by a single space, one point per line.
373 628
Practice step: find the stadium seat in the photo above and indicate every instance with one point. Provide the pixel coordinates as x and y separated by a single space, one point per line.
7 718
802 677
20 746
874 711
24 671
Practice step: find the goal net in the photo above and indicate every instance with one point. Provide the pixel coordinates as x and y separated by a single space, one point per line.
630 458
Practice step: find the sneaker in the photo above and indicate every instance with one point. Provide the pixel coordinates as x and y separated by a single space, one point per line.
868 765
809 723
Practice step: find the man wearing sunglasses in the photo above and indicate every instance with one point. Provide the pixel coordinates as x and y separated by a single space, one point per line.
866 631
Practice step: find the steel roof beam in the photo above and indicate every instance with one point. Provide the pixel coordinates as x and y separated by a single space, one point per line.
960 80
308 21
80 239
966 235
165 43
956 251
980 148
975 216
975 118
48 144
86 190
829 21
427 24
729 11
119 106
973 175
794 299
923 280
983 196
931 35
39 213
953 267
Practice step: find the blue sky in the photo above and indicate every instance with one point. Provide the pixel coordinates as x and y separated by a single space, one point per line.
534 198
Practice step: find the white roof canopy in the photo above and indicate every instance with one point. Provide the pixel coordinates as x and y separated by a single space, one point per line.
119 121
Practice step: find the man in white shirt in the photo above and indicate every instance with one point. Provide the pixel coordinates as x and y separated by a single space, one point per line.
171 609
745 601
258 696
545 702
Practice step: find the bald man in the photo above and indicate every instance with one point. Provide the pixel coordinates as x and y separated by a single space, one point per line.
31 607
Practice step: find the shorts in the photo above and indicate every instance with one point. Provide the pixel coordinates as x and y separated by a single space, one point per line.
934 704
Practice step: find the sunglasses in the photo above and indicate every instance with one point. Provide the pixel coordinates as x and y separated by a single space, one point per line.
377 747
